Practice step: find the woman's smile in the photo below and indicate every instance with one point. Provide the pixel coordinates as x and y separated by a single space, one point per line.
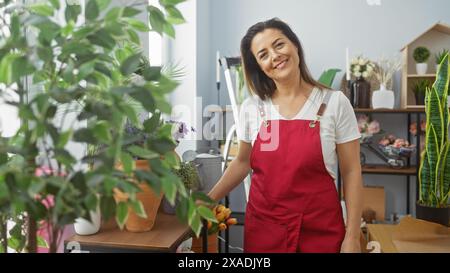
281 64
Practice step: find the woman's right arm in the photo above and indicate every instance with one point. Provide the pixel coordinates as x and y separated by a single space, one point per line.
234 173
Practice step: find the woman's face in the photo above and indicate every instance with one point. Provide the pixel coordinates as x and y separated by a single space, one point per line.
276 55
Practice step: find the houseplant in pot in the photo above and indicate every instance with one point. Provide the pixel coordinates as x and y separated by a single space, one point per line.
434 171
189 176
439 57
71 82
419 89
141 214
421 55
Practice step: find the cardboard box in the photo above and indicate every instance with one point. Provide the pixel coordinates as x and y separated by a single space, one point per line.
373 203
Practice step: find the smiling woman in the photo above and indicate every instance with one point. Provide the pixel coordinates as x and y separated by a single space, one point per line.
293 132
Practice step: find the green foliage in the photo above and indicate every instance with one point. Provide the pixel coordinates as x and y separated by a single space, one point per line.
421 54
188 174
421 86
83 70
434 171
439 57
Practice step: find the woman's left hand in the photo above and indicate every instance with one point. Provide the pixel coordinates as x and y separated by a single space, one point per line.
350 245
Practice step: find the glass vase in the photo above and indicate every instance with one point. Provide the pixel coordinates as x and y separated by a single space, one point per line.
361 91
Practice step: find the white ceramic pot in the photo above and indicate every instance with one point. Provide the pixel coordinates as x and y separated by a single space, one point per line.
383 98
421 68
84 227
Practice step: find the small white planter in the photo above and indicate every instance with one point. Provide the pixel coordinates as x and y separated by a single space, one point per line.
383 98
84 227
421 68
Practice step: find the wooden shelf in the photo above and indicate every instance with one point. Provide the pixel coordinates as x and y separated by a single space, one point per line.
165 236
416 109
383 169
422 76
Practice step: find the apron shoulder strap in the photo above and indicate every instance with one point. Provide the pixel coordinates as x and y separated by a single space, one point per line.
262 112
322 108
325 101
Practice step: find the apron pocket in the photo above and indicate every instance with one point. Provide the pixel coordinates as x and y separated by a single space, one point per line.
261 236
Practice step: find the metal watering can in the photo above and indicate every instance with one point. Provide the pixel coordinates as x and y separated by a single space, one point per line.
209 167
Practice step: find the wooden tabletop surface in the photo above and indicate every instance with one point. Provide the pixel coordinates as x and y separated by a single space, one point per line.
167 233
383 234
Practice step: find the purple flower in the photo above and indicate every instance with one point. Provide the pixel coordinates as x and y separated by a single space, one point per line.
180 130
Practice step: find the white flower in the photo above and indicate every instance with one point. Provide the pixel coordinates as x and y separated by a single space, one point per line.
354 61
369 68
357 74
357 68
365 74
362 62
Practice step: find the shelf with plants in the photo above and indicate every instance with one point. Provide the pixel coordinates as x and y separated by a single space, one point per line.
421 58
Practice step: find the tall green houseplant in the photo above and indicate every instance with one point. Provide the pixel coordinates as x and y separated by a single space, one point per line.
434 172
83 69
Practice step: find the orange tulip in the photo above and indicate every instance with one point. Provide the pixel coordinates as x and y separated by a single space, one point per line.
227 213
220 208
222 226
231 221
220 216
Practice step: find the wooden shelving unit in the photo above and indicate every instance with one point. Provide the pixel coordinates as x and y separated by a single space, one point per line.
436 38
409 170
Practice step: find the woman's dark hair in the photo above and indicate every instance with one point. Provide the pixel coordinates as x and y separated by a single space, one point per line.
257 81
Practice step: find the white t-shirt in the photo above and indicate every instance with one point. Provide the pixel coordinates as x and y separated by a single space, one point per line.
337 125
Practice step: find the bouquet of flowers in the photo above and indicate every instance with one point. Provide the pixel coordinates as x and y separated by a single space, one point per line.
413 127
367 128
362 67
413 131
396 147
224 221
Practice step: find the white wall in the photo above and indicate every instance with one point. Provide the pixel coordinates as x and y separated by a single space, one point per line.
183 52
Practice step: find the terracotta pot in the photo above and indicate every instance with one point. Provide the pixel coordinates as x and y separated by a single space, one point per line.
150 200
197 244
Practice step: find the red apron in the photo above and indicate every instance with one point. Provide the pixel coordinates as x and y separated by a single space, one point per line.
293 203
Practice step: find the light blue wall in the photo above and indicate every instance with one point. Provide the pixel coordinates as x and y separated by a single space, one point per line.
325 28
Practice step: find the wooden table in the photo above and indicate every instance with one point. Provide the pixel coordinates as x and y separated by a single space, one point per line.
166 236
382 234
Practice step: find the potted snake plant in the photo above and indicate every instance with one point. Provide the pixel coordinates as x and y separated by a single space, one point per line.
434 171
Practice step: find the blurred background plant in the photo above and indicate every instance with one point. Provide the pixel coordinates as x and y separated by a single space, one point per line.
361 67
419 88
421 54
368 128
439 57
84 69
385 69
